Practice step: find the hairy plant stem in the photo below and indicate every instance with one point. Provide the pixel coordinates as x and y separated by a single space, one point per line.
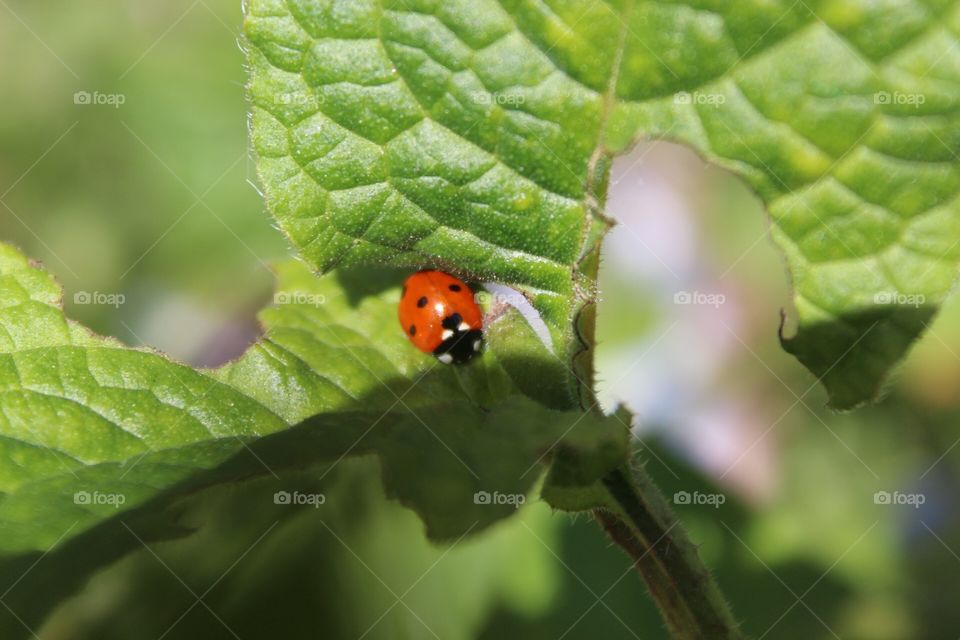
640 522
637 516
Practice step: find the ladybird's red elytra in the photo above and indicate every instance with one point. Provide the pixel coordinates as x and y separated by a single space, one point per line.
439 315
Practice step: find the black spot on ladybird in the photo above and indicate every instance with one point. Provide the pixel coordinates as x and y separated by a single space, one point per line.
422 302
454 287
413 330
452 322
460 347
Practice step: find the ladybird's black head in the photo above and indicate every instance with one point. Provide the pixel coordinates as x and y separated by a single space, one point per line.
461 344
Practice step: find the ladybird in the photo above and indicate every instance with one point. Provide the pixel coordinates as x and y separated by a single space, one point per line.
440 316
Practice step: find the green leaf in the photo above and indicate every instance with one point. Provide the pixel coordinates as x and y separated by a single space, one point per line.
477 135
844 119
531 366
382 138
91 429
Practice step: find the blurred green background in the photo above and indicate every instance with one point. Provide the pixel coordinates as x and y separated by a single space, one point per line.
153 200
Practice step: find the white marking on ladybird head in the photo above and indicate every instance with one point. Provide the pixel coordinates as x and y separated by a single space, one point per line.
445 358
447 334
476 345
463 327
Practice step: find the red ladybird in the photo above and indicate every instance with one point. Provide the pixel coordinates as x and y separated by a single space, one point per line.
440 316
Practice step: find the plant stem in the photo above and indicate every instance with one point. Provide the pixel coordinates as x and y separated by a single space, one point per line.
641 523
